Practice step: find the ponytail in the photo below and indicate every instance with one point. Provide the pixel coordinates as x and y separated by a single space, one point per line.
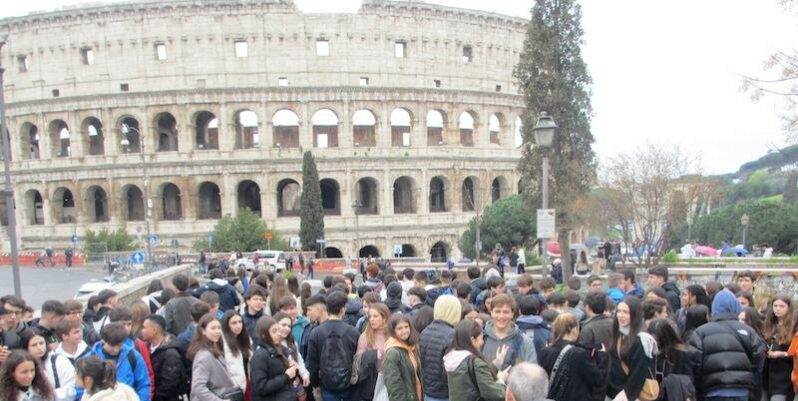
102 373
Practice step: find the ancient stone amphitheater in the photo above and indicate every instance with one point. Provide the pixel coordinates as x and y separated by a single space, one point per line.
410 109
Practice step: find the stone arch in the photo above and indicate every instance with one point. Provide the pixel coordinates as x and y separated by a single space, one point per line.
436 120
289 193
518 132
249 196
408 251
166 131
325 129
92 127
171 202
401 127
470 194
439 196
364 129
34 207
97 204
63 205
206 129
286 129
209 201
499 188
404 195
332 252
467 123
330 196
132 203
59 139
367 193
247 136
133 135
368 251
496 128
439 252
29 136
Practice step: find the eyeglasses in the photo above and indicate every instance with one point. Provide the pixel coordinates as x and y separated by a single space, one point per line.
75 313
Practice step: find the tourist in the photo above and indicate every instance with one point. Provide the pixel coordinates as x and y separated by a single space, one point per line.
470 375
171 378
631 352
237 346
98 379
376 333
176 312
527 382
434 342
402 363
502 332
272 372
658 278
291 350
209 376
779 331
57 369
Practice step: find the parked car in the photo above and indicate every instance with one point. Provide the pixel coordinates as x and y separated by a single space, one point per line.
274 260
92 288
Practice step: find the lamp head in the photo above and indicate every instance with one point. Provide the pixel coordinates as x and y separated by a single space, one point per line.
544 130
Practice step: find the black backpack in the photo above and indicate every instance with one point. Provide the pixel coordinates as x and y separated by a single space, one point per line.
336 363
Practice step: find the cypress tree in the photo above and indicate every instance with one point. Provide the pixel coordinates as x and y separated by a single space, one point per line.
311 214
553 78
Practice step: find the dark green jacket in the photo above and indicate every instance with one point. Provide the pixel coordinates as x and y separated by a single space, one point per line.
462 388
400 379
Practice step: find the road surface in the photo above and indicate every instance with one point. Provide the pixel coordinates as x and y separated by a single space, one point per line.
42 283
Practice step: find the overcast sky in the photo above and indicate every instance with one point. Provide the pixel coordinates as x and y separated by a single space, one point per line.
663 71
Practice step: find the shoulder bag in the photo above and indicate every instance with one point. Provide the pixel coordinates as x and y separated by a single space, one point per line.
650 390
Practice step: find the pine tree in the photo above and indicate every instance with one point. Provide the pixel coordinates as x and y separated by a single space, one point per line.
553 78
311 214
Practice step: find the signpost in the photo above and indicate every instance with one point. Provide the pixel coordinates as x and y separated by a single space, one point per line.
546 228
320 242
137 258
397 249
74 238
268 237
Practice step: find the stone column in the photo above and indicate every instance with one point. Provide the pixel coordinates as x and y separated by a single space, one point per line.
386 203
305 127
227 129
111 132
423 185
268 199
228 195
188 196
383 128
114 203
186 142
265 128
345 132
451 129
347 188
78 138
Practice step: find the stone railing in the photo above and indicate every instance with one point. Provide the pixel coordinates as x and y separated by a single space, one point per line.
136 288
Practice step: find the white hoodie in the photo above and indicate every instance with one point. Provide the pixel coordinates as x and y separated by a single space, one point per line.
66 376
122 392
455 358
82 347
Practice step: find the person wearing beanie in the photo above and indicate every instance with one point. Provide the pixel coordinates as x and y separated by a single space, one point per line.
727 355
434 342
393 299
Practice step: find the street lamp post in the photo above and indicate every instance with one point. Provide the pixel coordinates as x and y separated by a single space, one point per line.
126 129
689 227
544 137
744 220
8 190
356 205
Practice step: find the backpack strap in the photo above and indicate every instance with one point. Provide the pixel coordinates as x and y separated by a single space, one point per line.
515 350
560 357
131 358
55 371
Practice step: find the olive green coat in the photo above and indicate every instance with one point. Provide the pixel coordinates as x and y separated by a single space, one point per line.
462 388
397 371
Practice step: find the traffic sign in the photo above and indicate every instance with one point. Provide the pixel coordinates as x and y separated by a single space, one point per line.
397 249
74 238
546 225
321 241
137 258
268 235
154 239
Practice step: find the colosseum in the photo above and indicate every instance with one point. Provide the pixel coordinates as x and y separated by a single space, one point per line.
179 112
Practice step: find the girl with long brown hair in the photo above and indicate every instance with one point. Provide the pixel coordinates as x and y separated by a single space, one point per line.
471 376
779 330
21 378
209 377
272 372
375 335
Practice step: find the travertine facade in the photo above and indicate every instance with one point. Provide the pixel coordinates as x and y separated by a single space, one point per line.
408 107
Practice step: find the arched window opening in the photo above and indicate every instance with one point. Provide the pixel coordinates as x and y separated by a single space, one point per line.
34 207
249 196
495 128
93 128
207 130
98 207
368 251
367 196
289 194
64 206
171 202
209 202
437 195
401 128
286 129
408 251
466 129
325 129
439 253
167 132
330 197
469 200
133 136
59 139
404 196
134 203
333 253
30 141
364 128
498 188
247 136
434 128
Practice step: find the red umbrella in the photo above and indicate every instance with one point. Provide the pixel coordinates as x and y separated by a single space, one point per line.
553 248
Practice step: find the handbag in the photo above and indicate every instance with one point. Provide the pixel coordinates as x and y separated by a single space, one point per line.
650 390
230 394
380 391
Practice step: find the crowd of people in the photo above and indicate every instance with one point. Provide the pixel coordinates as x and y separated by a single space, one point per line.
405 336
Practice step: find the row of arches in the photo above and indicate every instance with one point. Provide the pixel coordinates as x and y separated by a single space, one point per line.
205 126
439 252
169 201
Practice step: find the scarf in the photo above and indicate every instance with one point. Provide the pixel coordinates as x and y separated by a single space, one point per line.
624 329
411 353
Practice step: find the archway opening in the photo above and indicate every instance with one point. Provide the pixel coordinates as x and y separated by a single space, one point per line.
367 196
368 251
404 196
93 128
289 194
59 139
247 136
437 195
171 202
364 128
332 252
64 206
207 130
330 197
401 127
30 141
209 202
325 129
408 251
166 127
439 252
466 129
98 204
134 203
132 136
249 196
34 207
435 121
469 200
498 188
286 129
